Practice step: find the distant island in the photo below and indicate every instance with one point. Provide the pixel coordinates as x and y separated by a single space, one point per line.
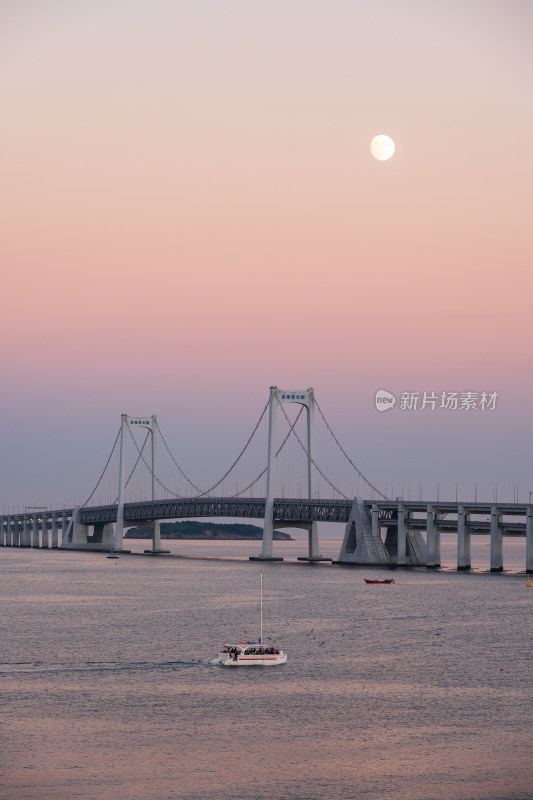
189 529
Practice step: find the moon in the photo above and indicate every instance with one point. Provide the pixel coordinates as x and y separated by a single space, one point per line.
382 147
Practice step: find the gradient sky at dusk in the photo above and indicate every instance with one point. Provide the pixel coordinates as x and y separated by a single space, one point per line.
190 213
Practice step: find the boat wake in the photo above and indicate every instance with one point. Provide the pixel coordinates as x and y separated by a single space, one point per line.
37 668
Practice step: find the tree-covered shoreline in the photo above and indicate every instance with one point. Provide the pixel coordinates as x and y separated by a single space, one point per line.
191 529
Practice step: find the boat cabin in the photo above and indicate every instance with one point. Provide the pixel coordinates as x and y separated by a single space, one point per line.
249 649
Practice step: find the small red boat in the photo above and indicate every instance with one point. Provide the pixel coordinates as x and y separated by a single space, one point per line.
387 580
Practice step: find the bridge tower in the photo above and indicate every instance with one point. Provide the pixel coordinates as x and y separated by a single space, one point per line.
149 423
306 398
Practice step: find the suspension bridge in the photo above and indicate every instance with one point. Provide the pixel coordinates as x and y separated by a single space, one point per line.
291 472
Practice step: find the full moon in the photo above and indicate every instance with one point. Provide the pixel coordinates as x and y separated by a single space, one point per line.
382 147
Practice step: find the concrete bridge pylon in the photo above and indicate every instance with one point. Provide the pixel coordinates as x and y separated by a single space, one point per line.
279 397
128 424
363 544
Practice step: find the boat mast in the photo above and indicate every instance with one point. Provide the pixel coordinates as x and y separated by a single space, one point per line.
261 610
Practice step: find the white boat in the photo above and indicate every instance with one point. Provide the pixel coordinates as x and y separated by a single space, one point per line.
251 654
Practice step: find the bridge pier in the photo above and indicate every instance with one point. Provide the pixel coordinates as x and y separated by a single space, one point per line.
44 533
463 540
76 534
362 542
432 535
401 551
156 537
496 541
64 528
54 530
529 539
26 532
35 531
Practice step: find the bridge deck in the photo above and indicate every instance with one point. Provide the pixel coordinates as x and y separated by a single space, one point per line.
294 511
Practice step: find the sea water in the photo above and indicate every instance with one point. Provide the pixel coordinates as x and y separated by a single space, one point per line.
419 690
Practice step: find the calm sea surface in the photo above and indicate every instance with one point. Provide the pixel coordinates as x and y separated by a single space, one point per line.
418 690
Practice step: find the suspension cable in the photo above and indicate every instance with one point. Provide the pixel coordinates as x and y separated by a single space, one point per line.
176 463
345 454
149 468
207 491
135 465
200 494
237 494
312 460
103 471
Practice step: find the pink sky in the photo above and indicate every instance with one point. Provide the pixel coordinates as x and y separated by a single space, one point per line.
190 213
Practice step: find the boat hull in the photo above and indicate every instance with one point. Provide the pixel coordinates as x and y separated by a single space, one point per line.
273 660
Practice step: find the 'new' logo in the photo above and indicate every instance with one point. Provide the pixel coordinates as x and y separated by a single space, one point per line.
384 400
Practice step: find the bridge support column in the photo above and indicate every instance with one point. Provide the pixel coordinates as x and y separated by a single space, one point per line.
44 533
119 527
314 552
75 536
401 553
64 527
155 525
17 533
463 540
2 540
313 531
431 560
156 537
362 542
268 528
437 540
375 522
35 532
54 530
156 541
529 539
496 541
26 532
